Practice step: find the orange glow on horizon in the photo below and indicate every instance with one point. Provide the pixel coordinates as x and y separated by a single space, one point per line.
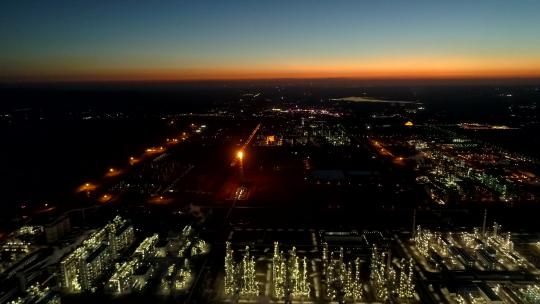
379 68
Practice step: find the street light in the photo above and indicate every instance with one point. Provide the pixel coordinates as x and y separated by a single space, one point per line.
240 155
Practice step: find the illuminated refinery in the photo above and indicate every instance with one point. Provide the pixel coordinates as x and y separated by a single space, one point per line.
285 194
322 274
246 152
81 269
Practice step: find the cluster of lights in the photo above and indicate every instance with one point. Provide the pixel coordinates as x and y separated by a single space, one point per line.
78 272
423 239
155 149
279 272
240 277
147 246
429 244
531 293
451 168
28 230
379 275
230 271
341 278
36 294
15 245
249 286
301 134
289 276
460 299
165 285
503 242
187 231
492 249
180 276
122 281
172 141
385 281
186 234
334 135
469 298
405 284
321 112
353 286
200 247
510 292
184 247
504 245
183 279
177 278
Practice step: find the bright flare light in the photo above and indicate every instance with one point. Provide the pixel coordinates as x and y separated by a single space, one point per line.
240 155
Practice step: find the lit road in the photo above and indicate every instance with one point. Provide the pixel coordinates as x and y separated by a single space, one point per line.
247 142
239 194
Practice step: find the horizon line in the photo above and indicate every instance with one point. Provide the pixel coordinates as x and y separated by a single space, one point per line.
474 79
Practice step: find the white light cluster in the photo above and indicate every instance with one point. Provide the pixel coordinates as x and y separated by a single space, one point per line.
240 276
279 272
487 249
386 282
531 293
249 286
379 274
289 276
184 277
36 293
180 276
342 278
200 247
450 168
122 281
147 247
230 271
80 269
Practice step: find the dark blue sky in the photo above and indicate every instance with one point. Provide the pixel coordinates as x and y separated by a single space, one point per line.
201 39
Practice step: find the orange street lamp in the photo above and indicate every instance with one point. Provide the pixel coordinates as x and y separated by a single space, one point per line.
240 155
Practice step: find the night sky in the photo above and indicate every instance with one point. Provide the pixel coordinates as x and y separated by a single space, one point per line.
176 40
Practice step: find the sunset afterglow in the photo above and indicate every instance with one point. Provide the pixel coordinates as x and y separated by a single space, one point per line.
65 40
